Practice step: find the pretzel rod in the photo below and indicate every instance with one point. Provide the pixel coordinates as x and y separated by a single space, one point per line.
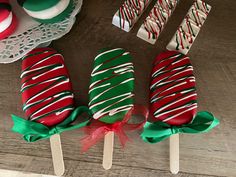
129 13
190 27
155 22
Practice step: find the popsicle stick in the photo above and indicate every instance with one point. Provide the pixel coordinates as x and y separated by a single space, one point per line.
174 154
108 150
57 156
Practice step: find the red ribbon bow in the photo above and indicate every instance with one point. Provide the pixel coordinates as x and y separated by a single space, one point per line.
97 129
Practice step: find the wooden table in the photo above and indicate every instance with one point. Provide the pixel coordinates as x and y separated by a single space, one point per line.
213 57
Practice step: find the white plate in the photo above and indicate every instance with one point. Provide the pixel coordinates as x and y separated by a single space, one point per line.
31 33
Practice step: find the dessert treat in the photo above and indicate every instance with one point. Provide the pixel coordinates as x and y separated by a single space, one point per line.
8 20
156 20
173 104
47 11
190 27
46 88
48 100
173 97
129 13
173 100
111 97
111 90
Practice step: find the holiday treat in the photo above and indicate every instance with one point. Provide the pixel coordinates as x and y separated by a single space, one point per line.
173 94
8 21
112 86
173 100
156 20
47 11
46 88
190 27
48 101
129 13
111 97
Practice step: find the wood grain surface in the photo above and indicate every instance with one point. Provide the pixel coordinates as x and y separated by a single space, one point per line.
213 57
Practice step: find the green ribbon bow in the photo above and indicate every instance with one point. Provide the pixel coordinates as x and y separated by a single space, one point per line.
158 131
33 131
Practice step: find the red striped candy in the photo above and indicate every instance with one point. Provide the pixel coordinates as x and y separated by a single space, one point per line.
46 88
8 20
173 97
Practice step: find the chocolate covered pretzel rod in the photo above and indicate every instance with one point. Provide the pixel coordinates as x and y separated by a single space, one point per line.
129 13
156 20
190 27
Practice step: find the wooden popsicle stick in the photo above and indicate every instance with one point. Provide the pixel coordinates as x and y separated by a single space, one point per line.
57 155
174 154
108 150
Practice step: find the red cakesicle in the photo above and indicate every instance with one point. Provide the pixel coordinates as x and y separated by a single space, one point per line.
46 88
173 97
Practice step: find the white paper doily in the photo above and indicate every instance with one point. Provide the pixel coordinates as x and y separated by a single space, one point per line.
31 33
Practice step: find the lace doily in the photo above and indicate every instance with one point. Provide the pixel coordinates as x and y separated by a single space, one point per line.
31 34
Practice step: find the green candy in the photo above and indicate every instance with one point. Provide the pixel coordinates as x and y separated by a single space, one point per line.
40 5
111 91
60 17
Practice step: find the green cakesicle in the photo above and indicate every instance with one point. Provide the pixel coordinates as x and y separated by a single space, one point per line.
111 90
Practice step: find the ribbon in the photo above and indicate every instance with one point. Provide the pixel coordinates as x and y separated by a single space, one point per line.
158 131
97 129
33 131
